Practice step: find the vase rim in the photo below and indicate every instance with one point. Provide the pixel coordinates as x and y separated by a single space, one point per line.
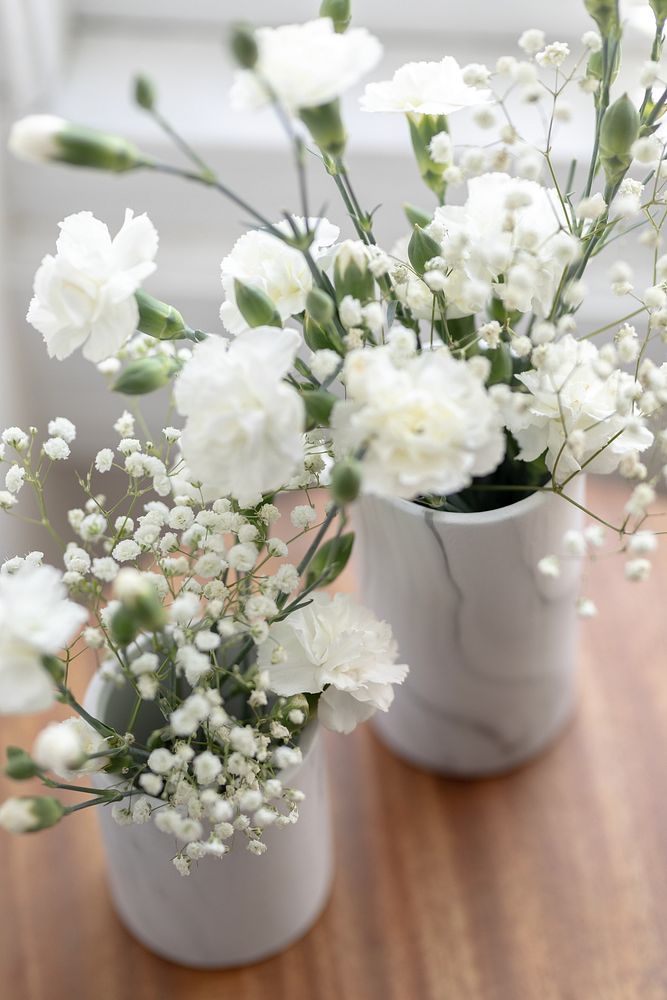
507 513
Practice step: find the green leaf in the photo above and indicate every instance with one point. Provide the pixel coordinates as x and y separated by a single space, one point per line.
330 561
319 404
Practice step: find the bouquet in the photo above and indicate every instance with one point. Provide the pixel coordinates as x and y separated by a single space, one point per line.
450 370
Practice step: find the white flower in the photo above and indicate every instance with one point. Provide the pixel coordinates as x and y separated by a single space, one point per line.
591 40
14 478
568 389
64 746
305 65
104 460
592 208
440 148
303 516
532 40
243 434
84 296
126 550
18 815
426 88
36 620
428 425
105 569
63 428
56 449
207 767
481 242
554 54
280 271
35 138
341 649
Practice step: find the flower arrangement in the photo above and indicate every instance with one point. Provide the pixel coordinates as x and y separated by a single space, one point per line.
450 370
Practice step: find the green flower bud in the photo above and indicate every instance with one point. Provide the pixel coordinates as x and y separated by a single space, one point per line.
146 375
320 306
339 11
417 216
318 403
243 44
144 93
159 320
352 275
298 704
423 128
618 132
124 626
140 599
659 8
255 306
346 481
41 138
20 764
326 127
421 249
316 337
605 14
29 814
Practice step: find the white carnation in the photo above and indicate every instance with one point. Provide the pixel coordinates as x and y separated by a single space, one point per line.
36 620
84 296
425 88
336 647
568 390
305 65
244 427
280 271
481 242
427 426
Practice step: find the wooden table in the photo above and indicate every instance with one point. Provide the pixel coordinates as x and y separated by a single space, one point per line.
548 884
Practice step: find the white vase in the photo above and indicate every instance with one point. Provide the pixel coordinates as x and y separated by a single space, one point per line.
229 911
491 642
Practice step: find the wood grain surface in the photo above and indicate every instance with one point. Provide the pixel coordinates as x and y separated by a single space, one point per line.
547 884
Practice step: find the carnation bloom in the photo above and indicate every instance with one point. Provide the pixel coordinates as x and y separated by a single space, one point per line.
510 227
280 271
341 649
427 425
84 296
36 620
244 427
425 88
305 65
568 399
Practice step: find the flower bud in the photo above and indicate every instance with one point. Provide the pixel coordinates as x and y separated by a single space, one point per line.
351 272
346 481
421 249
659 8
339 11
41 138
255 306
144 93
140 599
316 337
320 306
605 15
326 127
146 375
423 128
157 319
20 764
243 44
124 627
618 133
30 813
417 216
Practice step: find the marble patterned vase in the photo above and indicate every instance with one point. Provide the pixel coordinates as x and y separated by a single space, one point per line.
491 642
230 911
